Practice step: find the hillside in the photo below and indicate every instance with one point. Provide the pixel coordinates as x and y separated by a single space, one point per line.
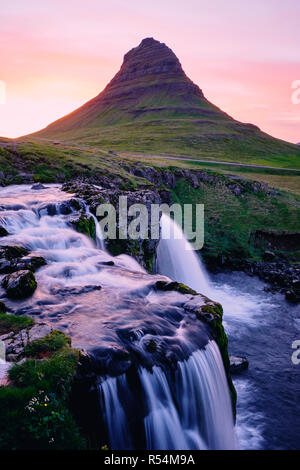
151 106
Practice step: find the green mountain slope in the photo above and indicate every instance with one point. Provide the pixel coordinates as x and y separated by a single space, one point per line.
151 106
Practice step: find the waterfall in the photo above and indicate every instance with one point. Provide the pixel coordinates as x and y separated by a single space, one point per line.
177 260
189 411
188 408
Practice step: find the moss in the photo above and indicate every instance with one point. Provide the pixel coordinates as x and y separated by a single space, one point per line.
215 309
13 252
48 345
174 286
14 323
87 226
34 411
20 284
36 262
149 261
214 320
231 222
54 375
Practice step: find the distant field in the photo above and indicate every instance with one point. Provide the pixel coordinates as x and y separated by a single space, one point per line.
45 161
277 177
231 221
181 140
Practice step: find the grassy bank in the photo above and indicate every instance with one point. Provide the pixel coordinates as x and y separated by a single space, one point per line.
231 221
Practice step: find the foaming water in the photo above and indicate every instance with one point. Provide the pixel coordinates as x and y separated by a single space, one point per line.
261 326
4 367
177 260
192 410
109 304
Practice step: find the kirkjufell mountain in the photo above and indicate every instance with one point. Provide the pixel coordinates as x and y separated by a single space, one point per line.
152 106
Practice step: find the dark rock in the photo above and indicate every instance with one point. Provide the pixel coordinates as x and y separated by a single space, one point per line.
143 250
238 364
3 232
37 186
173 285
151 346
236 189
6 266
31 262
12 252
19 284
293 296
268 256
84 223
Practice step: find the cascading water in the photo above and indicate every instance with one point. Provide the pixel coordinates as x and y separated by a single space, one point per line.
104 302
188 411
177 260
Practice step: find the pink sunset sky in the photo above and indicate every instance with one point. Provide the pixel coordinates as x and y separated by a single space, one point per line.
55 55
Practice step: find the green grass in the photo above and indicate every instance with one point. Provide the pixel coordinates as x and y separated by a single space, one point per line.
186 138
34 410
49 163
14 323
231 220
280 178
51 343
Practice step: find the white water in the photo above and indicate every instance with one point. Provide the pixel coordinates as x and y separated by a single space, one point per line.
193 411
177 260
4 366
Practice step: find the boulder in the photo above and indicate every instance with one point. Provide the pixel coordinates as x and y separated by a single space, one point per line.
38 186
293 296
238 364
38 331
268 256
85 223
12 252
19 284
3 232
31 263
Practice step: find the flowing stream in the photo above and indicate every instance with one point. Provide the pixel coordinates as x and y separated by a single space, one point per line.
261 326
108 306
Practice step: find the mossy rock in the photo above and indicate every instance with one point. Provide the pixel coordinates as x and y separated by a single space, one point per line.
14 323
86 225
47 345
174 286
35 410
36 262
20 284
212 314
13 252
3 232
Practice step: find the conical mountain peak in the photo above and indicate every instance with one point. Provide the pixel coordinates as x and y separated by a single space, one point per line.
152 106
150 58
